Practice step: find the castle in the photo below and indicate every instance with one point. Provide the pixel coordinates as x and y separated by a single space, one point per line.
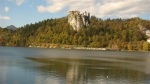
77 20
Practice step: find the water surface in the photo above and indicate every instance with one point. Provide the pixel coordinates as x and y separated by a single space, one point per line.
58 66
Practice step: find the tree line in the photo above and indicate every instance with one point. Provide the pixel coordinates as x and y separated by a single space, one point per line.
117 33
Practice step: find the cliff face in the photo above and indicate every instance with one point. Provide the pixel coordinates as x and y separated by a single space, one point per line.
77 20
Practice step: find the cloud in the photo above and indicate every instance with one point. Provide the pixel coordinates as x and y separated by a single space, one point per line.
4 18
100 8
17 2
6 9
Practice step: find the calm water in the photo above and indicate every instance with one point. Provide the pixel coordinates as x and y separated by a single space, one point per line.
57 66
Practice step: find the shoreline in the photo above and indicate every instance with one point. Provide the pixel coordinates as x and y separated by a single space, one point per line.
84 48
81 48
76 47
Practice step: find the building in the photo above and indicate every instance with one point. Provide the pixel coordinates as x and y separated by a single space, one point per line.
148 40
147 32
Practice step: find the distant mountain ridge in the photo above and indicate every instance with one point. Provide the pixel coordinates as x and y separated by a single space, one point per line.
11 27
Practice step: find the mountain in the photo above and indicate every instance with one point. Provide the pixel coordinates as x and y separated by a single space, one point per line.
11 27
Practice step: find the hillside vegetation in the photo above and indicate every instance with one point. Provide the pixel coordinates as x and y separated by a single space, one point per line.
111 33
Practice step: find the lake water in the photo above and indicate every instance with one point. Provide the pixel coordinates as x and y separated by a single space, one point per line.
58 66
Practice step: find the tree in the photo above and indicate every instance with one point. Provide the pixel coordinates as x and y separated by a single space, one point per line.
145 46
2 41
139 45
130 47
80 39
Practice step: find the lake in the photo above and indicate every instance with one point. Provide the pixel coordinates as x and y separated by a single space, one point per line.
59 66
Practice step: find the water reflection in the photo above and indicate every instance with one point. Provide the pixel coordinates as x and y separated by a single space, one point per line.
85 71
3 74
58 66
72 73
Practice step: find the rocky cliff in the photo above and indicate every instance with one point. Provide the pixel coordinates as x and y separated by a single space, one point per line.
77 20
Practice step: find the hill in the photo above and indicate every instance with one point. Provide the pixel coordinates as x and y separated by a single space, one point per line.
111 33
11 27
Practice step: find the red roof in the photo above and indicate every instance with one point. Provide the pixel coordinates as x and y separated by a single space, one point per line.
148 39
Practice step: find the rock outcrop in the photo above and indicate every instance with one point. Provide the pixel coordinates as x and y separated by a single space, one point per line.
77 20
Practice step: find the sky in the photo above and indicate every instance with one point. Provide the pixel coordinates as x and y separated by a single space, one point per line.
22 12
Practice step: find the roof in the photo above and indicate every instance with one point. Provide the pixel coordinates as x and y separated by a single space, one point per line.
148 39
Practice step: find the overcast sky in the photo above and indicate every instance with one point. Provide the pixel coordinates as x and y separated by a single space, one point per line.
22 12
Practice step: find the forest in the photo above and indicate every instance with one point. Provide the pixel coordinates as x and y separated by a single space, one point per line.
123 34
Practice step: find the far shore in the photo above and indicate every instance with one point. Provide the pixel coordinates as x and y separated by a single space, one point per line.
80 48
